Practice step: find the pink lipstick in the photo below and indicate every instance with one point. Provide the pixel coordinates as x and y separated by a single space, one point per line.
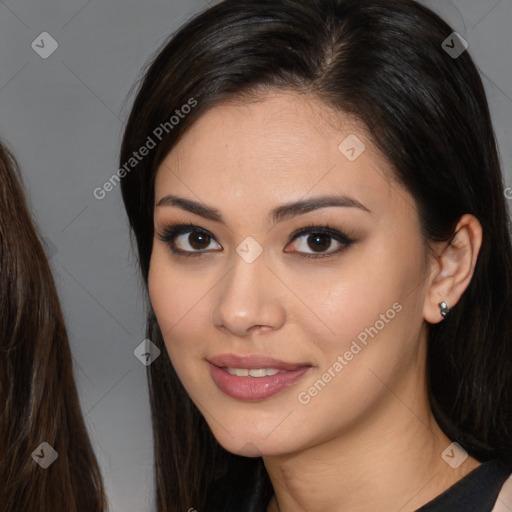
254 377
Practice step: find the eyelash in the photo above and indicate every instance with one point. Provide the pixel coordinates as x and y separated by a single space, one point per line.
170 233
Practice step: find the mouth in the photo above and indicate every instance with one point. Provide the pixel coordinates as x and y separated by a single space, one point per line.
254 377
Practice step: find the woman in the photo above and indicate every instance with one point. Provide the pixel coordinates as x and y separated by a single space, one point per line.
46 458
320 221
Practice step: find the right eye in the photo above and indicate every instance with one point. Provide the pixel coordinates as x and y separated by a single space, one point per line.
188 240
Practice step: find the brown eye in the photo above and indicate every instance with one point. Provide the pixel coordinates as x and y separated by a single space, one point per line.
189 240
319 242
199 240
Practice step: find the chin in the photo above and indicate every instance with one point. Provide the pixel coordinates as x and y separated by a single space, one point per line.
249 441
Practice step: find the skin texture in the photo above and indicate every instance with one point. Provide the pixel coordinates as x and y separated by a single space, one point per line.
368 439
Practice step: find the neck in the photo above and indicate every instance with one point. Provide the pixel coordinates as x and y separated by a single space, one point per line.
390 461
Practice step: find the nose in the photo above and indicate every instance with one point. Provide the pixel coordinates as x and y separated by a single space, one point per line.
248 300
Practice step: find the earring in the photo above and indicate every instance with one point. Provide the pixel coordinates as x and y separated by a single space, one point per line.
444 309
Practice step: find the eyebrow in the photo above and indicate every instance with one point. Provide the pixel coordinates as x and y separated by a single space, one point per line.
278 214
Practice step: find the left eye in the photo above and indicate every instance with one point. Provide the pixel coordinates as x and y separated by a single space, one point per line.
319 242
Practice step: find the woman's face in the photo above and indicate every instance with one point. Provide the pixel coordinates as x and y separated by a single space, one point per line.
294 302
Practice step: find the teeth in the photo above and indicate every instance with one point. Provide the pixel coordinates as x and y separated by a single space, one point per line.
258 372
239 372
253 372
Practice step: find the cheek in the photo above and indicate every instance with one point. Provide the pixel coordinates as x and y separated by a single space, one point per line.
370 307
344 301
178 300
375 322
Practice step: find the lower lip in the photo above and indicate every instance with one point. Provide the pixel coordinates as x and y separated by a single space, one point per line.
255 388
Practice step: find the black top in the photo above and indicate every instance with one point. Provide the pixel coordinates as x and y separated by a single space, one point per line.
476 492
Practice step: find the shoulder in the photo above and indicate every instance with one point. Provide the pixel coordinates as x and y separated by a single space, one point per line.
504 500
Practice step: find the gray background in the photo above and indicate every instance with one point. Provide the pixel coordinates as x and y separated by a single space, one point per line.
63 117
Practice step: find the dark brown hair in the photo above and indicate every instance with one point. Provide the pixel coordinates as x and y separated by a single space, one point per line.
381 61
38 396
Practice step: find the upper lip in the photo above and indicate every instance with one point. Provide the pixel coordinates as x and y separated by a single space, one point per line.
253 362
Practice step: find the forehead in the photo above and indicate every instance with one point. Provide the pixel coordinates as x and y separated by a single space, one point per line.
275 148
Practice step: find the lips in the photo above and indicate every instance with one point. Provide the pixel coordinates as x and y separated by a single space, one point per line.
254 377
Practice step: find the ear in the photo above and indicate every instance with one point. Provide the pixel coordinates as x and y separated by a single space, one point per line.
453 268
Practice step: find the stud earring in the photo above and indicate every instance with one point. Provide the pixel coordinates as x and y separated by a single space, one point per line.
444 309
